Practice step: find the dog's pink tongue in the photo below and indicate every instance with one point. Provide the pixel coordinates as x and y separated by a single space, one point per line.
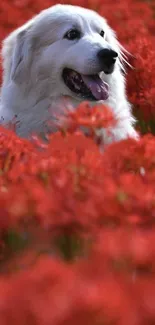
98 87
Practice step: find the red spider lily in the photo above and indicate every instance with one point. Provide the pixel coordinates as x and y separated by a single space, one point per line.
90 117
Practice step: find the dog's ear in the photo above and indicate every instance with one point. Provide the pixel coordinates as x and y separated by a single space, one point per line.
21 57
16 55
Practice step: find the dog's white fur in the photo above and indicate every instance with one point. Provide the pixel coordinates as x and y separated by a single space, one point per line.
34 56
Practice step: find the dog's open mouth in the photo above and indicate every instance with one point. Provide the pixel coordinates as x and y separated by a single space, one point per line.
90 87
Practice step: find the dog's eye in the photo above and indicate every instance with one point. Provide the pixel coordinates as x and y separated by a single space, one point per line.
72 34
102 33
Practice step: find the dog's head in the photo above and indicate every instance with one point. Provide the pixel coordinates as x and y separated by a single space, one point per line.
70 51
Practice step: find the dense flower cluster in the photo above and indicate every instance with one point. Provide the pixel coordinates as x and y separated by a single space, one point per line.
77 226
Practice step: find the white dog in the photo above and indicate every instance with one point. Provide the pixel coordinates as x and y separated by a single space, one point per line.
65 51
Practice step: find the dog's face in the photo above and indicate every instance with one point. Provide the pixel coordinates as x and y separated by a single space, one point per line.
70 50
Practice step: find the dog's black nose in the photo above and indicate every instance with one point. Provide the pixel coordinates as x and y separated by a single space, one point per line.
107 54
107 59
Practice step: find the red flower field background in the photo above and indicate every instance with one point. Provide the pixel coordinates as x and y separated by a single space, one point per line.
77 226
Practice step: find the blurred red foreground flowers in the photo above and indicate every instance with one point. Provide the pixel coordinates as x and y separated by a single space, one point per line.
77 227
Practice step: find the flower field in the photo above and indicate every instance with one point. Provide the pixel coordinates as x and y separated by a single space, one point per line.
77 226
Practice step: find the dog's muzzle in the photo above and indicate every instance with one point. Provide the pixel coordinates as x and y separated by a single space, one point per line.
107 60
88 87
91 87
